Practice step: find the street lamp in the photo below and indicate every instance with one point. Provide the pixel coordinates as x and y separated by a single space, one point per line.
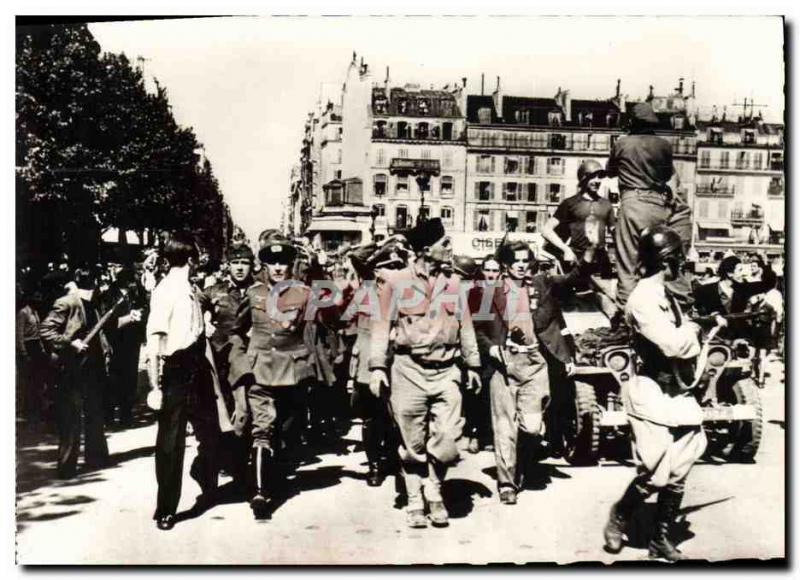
423 182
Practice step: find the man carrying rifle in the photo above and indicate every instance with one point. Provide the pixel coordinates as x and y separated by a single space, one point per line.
82 374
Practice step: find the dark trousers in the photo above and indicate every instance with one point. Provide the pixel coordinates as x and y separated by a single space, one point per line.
378 430
562 394
32 382
188 395
79 399
124 382
279 417
478 412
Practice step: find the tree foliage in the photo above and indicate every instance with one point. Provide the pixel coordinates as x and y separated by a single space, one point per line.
95 150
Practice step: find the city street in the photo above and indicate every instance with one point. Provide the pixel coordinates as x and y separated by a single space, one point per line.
104 517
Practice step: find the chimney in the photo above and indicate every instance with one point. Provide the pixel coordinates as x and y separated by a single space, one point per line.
464 82
680 86
497 97
386 82
619 84
692 89
650 94
564 102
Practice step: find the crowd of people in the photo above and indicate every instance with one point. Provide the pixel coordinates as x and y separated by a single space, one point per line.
273 354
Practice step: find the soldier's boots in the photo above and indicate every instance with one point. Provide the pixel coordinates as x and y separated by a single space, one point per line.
416 519
375 475
438 514
261 502
661 546
621 513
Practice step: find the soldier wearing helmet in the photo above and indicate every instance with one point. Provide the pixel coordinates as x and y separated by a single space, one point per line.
566 229
666 422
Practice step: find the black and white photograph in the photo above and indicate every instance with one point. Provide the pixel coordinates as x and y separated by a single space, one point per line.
400 290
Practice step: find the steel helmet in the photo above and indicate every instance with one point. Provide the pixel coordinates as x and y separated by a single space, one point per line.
589 168
659 245
465 266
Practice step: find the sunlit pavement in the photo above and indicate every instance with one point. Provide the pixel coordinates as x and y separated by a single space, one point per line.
104 516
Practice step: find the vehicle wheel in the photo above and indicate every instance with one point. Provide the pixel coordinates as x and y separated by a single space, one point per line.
583 440
746 435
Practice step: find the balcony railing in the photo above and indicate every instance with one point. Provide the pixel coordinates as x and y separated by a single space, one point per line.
747 218
716 190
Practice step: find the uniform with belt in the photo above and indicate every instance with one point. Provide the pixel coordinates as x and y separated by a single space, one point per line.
433 333
643 164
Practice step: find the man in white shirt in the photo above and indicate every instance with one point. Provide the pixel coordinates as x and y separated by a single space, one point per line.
180 380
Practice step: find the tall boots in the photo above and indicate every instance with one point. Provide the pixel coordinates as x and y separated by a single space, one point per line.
372 435
669 502
621 513
261 501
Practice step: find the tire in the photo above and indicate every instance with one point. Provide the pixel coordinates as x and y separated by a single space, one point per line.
583 445
746 435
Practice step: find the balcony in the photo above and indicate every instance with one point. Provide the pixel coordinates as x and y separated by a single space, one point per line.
715 190
414 166
752 217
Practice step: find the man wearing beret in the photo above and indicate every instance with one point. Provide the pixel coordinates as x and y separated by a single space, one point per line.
220 303
273 365
642 162
433 334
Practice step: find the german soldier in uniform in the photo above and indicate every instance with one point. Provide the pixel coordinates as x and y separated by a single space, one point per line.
433 333
273 364
666 422
221 304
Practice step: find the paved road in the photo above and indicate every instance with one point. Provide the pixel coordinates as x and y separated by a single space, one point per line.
103 517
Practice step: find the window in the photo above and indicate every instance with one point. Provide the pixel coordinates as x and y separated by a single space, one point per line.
403 130
422 106
522 116
558 141
484 164
722 210
424 213
338 156
715 136
532 197
743 160
511 166
530 165
447 131
401 217
447 158
402 106
512 221
484 191
512 191
678 122
380 210
424 183
401 185
703 208
380 158
530 222
446 213
555 166
446 186
775 186
554 118
425 154
554 193
402 153
379 130
612 119
483 220
379 184
749 137
436 132
484 116
724 160
758 160
776 161
337 174
421 131
705 159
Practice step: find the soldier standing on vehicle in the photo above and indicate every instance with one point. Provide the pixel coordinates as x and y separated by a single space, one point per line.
643 163
433 333
666 422
273 365
220 304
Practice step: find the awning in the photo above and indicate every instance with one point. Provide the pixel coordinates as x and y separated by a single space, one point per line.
724 226
777 227
336 225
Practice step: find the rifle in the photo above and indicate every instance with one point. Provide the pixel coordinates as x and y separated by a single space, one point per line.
101 322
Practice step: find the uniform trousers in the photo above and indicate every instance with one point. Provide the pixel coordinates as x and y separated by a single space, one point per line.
426 405
518 399
278 416
188 395
640 209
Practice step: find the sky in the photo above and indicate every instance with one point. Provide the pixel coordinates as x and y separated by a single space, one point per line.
246 84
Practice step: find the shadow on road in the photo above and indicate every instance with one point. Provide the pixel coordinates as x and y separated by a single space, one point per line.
458 496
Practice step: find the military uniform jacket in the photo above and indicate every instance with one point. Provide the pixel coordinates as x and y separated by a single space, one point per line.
222 300
67 321
275 353
429 316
